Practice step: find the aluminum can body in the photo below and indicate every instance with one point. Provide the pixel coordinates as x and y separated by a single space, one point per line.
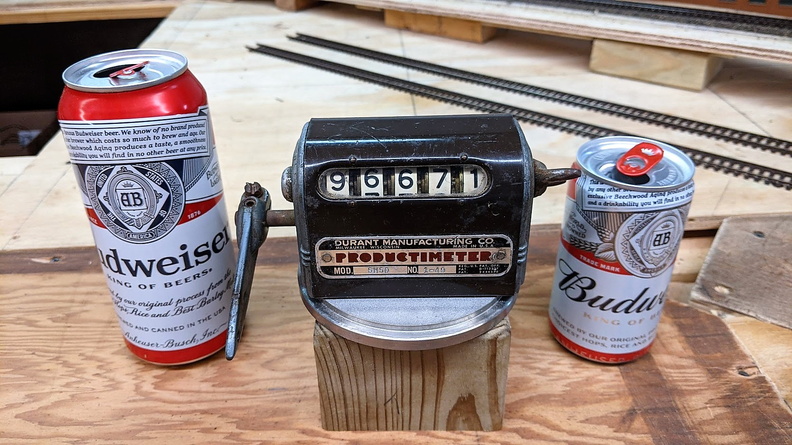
619 240
137 128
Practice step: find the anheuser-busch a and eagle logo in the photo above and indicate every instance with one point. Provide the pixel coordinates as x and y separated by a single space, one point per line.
137 203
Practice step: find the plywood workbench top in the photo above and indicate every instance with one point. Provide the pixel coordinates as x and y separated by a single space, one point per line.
259 105
65 375
68 378
49 11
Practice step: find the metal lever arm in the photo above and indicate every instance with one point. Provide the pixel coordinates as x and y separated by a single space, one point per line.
252 228
545 177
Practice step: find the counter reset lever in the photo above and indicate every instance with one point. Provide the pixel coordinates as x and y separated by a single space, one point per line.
253 219
251 223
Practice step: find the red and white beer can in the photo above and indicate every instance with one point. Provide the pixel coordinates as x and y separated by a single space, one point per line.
623 222
137 128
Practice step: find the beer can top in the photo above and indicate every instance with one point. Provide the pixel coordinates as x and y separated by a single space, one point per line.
597 158
125 70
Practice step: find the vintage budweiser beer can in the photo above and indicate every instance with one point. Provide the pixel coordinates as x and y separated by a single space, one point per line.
137 128
622 227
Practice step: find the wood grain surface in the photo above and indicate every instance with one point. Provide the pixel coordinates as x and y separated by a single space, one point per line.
259 105
459 387
66 376
587 25
51 11
674 67
749 269
461 29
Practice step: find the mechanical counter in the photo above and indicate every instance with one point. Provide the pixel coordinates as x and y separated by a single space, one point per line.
412 231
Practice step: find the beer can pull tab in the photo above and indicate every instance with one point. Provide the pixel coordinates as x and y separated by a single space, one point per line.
128 71
639 159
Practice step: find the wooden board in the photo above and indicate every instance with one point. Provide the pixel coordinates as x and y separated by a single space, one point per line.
11 168
644 49
673 67
259 105
769 346
49 11
462 29
771 7
749 269
294 5
583 24
67 377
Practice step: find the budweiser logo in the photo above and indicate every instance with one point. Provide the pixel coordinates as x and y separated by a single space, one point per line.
137 203
188 258
582 289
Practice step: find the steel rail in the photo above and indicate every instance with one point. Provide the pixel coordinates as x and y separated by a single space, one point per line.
757 24
770 176
753 140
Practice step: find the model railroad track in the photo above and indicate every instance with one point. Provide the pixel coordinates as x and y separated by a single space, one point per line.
770 176
758 24
712 131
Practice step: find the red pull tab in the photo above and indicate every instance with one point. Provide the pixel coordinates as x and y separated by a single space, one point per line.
639 159
128 71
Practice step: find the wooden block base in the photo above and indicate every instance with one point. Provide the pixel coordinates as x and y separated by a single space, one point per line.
666 66
460 29
295 5
459 387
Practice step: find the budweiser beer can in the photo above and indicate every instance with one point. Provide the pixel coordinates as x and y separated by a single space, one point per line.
137 128
623 223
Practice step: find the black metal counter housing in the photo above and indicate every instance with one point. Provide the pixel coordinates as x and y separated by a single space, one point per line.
494 142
